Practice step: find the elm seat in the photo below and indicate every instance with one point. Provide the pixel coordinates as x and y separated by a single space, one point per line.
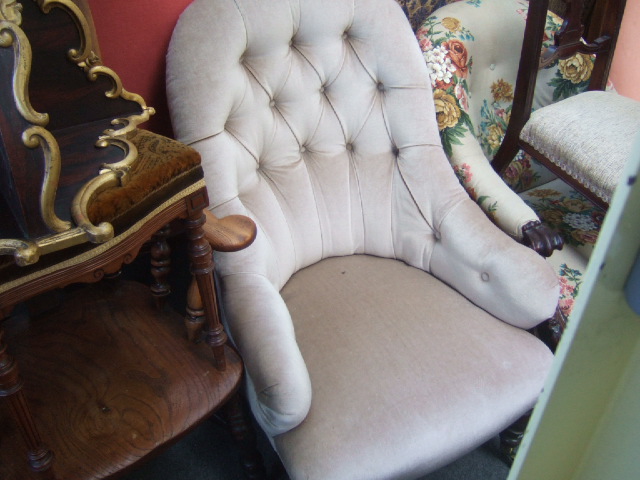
379 313
571 135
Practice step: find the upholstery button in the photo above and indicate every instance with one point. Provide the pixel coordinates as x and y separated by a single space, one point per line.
349 147
395 150
272 103
345 35
492 66
322 89
303 149
485 277
380 86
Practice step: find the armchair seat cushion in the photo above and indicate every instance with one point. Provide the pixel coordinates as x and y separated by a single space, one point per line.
570 134
359 321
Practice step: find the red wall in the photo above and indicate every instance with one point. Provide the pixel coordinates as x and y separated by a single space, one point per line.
134 36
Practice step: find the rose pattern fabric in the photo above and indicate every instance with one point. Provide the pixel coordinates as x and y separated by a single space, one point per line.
449 65
570 281
444 45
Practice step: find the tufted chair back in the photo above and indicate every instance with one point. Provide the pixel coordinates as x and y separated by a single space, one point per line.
330 126
316 119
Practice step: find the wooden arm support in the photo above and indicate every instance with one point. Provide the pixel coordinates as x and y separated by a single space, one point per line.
541 238
229 234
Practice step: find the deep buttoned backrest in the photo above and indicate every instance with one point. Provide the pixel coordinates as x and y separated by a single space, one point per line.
315 118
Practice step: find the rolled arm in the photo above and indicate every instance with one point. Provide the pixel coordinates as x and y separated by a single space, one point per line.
260 326
505 278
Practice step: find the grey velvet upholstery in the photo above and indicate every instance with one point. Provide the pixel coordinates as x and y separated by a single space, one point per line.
316 119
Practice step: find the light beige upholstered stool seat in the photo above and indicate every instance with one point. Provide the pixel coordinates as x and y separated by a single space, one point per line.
588 137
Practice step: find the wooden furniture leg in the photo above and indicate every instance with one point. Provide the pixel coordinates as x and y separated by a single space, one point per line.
202 267
40 458
194 319
511 437
160 265
245 436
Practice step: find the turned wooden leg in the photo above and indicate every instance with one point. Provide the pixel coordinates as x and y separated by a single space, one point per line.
160 265
245 435
194 320
511 438
202 268
39 457
550 331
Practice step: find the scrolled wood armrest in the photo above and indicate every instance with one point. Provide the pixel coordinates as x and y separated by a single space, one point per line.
229 234
541 238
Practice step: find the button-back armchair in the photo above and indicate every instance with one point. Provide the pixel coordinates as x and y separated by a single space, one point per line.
380 314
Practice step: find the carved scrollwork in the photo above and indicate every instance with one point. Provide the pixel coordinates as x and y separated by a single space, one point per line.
86 58
11 35
11 11
81 229
85 50
121 168
96 233
24 252
34 137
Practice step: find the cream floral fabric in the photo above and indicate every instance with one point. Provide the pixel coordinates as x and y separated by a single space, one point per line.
473 74
472 50
578 221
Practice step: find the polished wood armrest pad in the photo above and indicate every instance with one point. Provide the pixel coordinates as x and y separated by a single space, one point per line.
160 160
229 234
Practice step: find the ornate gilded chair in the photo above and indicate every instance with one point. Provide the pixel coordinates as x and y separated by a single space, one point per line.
95 378
380 314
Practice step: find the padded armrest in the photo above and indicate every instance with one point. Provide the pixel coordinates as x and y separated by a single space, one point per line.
260 325
492 263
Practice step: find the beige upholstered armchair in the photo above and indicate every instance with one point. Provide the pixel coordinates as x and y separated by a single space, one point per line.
380 314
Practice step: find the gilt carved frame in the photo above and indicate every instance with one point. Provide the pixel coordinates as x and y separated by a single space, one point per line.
80 230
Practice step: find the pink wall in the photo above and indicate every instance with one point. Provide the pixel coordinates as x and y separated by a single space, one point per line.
625 70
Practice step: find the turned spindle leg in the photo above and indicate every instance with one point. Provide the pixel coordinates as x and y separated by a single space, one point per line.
160 265
202 268
194 320
39 457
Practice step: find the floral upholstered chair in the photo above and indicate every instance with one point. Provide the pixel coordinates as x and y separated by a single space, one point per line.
472 49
